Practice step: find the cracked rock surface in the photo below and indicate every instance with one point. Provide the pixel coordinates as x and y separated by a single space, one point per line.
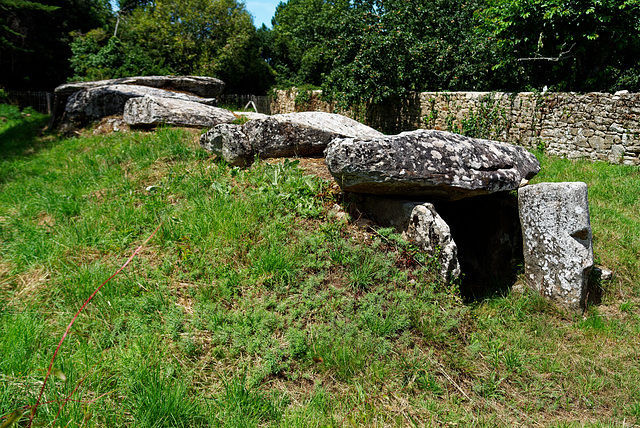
429 163
208 87
557 240
282 135
101 101
150 110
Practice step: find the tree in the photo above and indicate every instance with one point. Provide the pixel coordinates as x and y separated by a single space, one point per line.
9 27
388 48
206 37
297 47
576 45
35 38
97 56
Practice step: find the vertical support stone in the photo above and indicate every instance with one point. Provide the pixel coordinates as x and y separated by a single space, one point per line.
420 223
556 231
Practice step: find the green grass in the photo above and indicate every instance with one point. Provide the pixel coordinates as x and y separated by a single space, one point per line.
250 307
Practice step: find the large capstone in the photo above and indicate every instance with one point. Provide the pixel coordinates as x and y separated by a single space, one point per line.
558 251
208 87
427 163
283 135
150 110
102 101
202 86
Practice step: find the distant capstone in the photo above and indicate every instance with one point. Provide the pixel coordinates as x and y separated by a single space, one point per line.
79 102
207 87
426 163
282 135
102 101
150 110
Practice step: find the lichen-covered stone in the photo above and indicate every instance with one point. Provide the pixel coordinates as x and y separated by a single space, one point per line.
202 86
428 163
229 142
207 87
432 235
557 237
102 101
294 134
150 110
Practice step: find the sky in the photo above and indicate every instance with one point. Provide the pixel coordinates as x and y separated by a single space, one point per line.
262 11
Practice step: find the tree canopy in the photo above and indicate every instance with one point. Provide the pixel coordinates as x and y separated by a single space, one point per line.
35 38
297 46
579 45
358 51
387 48
203 37
371 50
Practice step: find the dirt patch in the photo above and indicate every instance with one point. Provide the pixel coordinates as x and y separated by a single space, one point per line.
312 166
110 124
317 167
44 219
25 286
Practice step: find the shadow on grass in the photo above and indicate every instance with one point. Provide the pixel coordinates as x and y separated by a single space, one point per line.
22 138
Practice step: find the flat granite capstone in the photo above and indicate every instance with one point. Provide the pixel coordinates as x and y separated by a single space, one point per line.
429 163
150 110
102 101
281 135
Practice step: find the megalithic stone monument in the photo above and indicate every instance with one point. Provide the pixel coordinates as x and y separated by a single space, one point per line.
556 231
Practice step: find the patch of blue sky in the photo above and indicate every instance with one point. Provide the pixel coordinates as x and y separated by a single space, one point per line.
262 11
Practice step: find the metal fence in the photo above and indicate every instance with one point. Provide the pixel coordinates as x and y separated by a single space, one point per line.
253 102
40 101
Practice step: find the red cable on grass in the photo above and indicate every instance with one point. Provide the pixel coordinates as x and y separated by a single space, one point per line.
64 336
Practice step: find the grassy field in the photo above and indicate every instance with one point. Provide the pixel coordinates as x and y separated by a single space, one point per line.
254 306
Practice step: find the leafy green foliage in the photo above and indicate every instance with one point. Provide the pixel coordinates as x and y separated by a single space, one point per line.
296 47
97 56
387 49
35 53
6 30
198 37
373 52
567 44
489 121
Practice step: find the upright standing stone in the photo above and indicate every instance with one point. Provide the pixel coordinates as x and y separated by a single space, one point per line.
430 232
556 231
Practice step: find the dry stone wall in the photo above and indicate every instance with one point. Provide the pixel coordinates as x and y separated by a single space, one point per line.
596 126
